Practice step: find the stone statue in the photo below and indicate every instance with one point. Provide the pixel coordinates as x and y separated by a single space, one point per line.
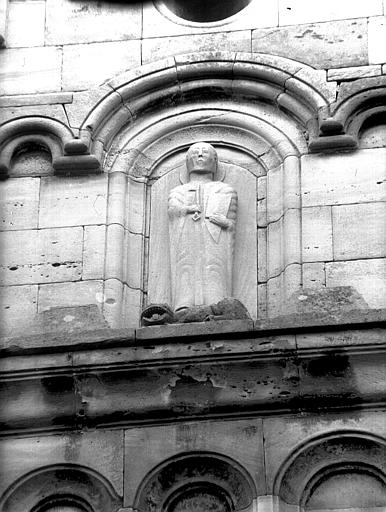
202 217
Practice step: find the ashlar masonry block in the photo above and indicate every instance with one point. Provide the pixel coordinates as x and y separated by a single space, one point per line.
30 70
25 27
19 203
317 234
377 40
94 252
40 256
359 231
86 65
18 309
86 22
157 48
366 276
73 201
322 45
81 293
292 12
344 178
313 275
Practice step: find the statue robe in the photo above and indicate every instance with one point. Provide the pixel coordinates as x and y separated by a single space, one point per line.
201 252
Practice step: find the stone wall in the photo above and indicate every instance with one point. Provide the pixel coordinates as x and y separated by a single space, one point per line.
58 53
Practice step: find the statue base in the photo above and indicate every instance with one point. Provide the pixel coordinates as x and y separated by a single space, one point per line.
225 309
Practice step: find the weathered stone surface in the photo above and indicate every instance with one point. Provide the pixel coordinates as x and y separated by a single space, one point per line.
132 303
157 48
53 111
36 99
19 203
377 40
322 45
71 319
40 256
25 25
29 70
156 24
280 288
352 73
213 436
347 89
292 12
325 301
359 231
283 435
317 233
373 136
344 178
313 275
72 201
94 252
85 22
81 293
341 339
366 276
135 244
193 329
91 64
18 308
100 451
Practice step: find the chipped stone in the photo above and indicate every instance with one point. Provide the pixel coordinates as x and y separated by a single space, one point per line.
322 45
19 203
72 201
353 73
317 233
40 256
359 231
366 276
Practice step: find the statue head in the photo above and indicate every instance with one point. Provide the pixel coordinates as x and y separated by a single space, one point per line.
201 158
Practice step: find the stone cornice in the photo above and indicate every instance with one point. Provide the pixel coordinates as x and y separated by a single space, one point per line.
122 378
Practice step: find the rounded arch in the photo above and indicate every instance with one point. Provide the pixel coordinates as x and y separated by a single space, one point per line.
298 90
69 154
309 464
217 473
71 482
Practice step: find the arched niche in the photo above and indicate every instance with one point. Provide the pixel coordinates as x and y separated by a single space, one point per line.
342 470
205 481
259 149
78 488
68 154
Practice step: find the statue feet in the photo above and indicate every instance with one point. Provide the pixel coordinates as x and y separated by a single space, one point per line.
225 309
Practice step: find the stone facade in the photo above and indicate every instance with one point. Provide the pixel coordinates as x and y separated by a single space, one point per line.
282 411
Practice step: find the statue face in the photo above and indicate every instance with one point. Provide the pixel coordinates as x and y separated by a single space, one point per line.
201 157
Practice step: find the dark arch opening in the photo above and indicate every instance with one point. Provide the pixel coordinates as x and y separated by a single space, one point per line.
206 11
31 158
373 131
62 503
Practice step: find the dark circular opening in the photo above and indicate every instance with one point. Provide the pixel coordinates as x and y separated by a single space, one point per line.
206 11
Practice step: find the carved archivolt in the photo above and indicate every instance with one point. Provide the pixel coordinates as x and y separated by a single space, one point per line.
64 484
209 474
338 453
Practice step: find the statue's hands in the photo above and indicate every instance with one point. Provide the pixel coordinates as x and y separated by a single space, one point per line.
220 220
193 208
